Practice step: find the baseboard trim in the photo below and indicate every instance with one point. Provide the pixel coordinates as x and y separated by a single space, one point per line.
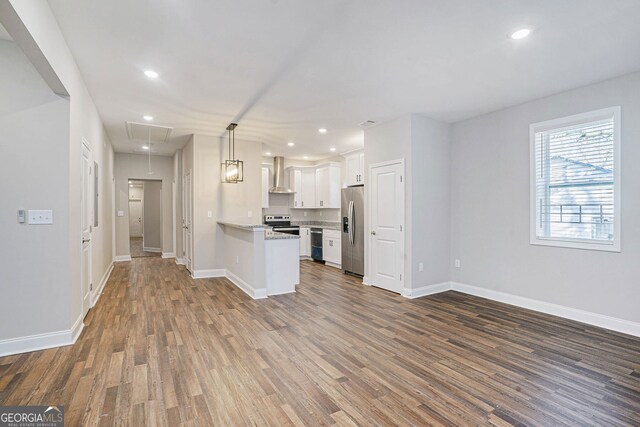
423 291
168 255
95 295
366 282
179 261
150 249
590 318
330 264
205 274
42 341
122 258
245 287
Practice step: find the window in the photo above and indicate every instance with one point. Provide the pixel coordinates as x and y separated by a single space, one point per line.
575 182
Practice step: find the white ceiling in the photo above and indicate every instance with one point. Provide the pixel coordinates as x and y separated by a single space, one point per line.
284 68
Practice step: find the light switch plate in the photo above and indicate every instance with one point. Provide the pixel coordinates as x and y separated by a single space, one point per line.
120 213
40 217
209 214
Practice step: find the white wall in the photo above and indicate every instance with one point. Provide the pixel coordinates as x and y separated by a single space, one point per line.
206 235
153 215
423 144
430 190
135 167
382 143
34 28
34 271
490 208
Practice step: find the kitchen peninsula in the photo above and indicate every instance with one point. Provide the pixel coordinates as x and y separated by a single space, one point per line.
260 261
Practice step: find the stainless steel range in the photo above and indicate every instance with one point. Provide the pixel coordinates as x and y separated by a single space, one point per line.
282 224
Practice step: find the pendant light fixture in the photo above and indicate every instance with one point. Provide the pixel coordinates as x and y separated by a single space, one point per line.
231 170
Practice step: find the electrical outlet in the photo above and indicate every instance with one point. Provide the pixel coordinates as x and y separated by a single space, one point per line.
237 259
249 214
421 266
457 263
305 213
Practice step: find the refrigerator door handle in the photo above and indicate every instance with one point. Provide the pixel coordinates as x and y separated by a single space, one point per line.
351 222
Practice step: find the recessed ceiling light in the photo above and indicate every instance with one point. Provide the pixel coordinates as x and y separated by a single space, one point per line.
332 149
148 118
520 34
145 147
268 153
322 130
151 74
291 144
305 157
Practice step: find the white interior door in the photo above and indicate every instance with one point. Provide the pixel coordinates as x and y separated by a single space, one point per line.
135 218
86 201
187 220
387 226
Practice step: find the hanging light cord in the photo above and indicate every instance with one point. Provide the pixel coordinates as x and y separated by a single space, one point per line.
149 146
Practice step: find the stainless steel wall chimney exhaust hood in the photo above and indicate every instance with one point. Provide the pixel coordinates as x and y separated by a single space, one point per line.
279 184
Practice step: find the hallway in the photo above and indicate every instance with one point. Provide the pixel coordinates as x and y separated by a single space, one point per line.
161 348
137 250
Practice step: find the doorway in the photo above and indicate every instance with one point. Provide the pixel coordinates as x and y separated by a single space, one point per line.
186 220
387 225
86 205
145 218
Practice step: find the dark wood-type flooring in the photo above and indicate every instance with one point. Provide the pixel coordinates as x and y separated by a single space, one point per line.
137 249
163 349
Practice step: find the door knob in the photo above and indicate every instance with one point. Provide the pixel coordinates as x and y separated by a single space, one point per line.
373 233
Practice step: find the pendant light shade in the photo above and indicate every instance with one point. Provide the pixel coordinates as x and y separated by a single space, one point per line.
231 170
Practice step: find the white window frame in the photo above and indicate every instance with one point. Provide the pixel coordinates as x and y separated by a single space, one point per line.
592 116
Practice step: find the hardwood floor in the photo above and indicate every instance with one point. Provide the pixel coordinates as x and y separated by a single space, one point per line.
137 249
161 348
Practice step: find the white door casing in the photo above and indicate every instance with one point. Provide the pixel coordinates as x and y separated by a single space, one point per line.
386 257
187 220
86 207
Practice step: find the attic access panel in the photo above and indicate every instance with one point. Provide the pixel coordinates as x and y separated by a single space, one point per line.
140 131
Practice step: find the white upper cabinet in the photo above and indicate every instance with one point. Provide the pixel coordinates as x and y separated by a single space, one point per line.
265 187
303 182
355 168
295 183
315 187
328 187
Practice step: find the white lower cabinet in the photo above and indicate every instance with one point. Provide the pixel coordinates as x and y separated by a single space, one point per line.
332 246
305 242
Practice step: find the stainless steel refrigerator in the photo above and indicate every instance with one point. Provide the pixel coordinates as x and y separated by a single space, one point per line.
353 230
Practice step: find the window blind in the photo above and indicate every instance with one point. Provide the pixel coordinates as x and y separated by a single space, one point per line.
575 182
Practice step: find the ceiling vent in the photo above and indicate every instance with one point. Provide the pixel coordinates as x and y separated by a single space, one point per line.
140 131
367 124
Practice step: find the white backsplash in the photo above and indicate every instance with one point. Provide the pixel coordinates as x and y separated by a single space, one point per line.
280 204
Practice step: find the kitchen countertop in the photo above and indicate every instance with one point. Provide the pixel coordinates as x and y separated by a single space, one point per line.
243 225
325 225
275 235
